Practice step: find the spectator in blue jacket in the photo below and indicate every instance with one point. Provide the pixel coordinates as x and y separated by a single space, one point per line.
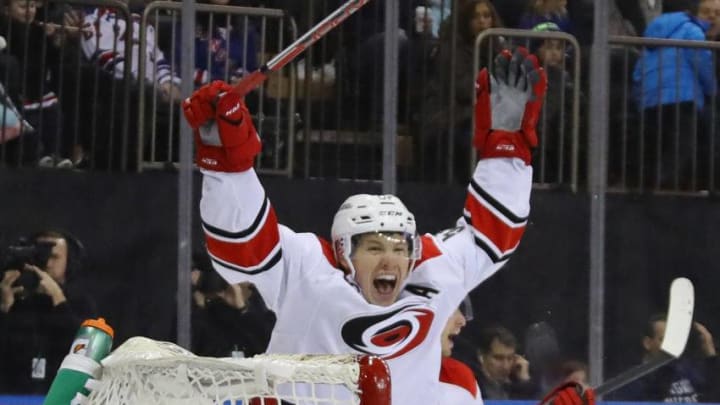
670 84
222 51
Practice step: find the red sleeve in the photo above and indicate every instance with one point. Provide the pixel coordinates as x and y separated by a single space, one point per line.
496 229
253 250
457 373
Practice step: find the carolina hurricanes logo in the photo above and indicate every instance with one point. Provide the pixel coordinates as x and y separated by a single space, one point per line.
389 335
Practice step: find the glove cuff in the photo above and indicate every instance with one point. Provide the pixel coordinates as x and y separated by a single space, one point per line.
504 144
224 159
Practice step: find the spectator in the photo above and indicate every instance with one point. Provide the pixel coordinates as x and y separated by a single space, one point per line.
457 381
229 320
475 16
671 85
105 46
510 10
107 49
709 10
692 378
540 11
573 371
233 45
557 118
15 149
27 38
504 374
41 308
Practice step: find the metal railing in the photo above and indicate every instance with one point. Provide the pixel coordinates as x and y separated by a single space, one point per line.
663 122
553 156
69 119
273 105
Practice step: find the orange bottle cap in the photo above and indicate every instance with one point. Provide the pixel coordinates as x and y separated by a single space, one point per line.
100 324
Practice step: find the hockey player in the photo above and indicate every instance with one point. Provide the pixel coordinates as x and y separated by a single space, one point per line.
396 289
457 381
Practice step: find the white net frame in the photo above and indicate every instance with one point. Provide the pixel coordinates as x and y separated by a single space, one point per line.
145 371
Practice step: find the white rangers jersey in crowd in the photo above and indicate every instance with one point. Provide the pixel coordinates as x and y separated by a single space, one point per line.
319 311
458 385
104 40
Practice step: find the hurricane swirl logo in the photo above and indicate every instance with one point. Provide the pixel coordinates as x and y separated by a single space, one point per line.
391 334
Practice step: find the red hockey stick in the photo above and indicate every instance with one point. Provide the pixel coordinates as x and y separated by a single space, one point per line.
251 81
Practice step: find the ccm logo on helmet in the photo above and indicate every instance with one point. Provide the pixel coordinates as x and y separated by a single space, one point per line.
390 213
391 334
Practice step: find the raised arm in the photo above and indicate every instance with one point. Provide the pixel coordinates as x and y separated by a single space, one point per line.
242 233
498 200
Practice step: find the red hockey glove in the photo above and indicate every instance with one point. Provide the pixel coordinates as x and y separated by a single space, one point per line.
508 106
570 393
225 137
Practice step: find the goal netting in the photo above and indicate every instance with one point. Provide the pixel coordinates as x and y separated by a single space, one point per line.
145 371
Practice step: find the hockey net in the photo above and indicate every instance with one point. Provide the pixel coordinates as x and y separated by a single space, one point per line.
145 371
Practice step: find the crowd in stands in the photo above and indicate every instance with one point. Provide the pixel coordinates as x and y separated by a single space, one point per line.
65 68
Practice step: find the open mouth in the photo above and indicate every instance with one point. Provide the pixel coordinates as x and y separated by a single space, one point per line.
385 283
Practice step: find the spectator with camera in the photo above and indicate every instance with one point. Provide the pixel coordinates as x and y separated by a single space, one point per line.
228 320
41 308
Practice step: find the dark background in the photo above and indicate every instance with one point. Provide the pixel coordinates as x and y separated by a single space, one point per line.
127 223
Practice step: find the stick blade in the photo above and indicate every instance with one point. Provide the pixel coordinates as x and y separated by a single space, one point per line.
679 317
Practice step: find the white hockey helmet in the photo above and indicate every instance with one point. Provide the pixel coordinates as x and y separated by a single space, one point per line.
367 213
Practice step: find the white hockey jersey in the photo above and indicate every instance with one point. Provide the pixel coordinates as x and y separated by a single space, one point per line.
105 38
458 385
319 311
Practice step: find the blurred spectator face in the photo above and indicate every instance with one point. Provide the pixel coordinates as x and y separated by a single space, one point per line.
57 263
652 343
577 376
550 6
709 10
552 52
483 19
22 10
498 362
452 329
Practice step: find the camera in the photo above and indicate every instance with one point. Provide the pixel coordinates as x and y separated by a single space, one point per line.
25 251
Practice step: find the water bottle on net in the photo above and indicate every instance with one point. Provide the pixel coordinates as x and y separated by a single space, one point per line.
92 343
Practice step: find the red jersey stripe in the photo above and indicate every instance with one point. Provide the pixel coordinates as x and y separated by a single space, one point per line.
499 233
250 253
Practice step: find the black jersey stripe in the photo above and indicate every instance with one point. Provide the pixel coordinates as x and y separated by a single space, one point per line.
269 265
245 232
496 204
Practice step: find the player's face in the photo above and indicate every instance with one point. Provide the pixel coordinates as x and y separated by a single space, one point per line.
381 263
453 327
498 362
57 263
22 10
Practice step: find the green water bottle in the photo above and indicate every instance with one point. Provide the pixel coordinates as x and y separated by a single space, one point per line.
92 343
